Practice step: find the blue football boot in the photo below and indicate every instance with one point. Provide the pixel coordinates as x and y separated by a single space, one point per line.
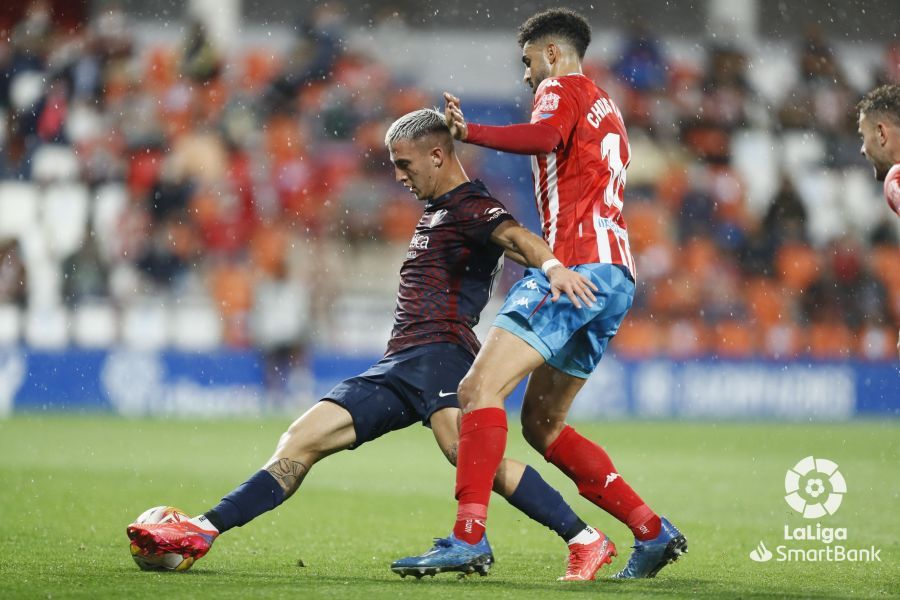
448 554
650 556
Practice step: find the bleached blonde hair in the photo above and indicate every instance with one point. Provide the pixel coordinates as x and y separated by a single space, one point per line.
417 124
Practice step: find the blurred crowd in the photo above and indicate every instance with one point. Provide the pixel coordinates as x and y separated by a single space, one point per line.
758 228
248 184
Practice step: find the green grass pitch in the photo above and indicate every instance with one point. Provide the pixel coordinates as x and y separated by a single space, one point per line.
69 486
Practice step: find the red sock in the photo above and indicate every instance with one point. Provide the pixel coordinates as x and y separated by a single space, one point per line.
590 467
482 441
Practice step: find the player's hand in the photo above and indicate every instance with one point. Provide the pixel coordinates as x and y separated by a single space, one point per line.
574 285
454 117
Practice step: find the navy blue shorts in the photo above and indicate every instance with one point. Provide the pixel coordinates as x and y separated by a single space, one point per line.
402 389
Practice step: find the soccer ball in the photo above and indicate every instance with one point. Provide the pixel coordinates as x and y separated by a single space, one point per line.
164 562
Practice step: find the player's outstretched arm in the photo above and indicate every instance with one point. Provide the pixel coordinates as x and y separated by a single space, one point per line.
514 238
516 257
522 138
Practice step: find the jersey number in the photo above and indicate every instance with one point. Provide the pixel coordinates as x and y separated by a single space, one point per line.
610 152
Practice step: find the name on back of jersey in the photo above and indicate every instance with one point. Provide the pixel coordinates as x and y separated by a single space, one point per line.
599 110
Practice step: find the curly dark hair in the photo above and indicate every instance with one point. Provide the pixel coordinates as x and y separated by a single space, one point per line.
557 22
884 100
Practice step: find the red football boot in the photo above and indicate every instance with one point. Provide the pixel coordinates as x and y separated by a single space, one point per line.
182 537
586 559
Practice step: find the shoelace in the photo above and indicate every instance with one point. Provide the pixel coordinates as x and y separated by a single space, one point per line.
576 560
441 543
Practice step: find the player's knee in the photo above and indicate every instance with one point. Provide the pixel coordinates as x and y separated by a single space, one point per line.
299 443
540 432
468 393
534 436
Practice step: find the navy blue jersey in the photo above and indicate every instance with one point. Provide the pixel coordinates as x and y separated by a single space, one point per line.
446 279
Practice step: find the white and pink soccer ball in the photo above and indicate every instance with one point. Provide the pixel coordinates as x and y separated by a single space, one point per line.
165 562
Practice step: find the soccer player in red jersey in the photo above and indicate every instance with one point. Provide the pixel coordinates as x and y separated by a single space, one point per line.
879 127
445 283
579 150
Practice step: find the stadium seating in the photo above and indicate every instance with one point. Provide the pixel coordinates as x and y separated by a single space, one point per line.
95 325
47 327
10 324
255 208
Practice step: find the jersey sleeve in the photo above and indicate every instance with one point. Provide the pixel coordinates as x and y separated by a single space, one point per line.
556 104
477 218
892 188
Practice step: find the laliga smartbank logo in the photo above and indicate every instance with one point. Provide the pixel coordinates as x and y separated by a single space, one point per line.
815 488
805 487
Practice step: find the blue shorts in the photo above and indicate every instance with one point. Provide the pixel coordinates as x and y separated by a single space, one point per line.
402 389
570 339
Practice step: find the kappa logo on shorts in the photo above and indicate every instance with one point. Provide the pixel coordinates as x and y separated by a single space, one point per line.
531 285
523 301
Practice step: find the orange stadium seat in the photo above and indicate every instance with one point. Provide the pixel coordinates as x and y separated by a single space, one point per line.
638 338
681 295
885 263
232 290
161 68
647 225
797 266
283 139
734 339
398 218
176 122
699 256
831 340
766 300
672 186
268 249
259 66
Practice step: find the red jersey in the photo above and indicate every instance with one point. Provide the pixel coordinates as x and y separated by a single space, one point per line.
578 187
892 188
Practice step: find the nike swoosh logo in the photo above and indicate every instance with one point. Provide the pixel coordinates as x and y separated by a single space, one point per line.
442 394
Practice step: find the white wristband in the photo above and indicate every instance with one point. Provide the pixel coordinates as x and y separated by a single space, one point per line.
549 264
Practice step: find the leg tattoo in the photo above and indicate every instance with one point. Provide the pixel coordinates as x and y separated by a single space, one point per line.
288 473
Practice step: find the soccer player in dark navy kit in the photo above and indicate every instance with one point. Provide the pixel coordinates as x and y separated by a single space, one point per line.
445 283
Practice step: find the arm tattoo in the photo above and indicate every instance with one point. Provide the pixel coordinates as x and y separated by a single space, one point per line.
288 473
